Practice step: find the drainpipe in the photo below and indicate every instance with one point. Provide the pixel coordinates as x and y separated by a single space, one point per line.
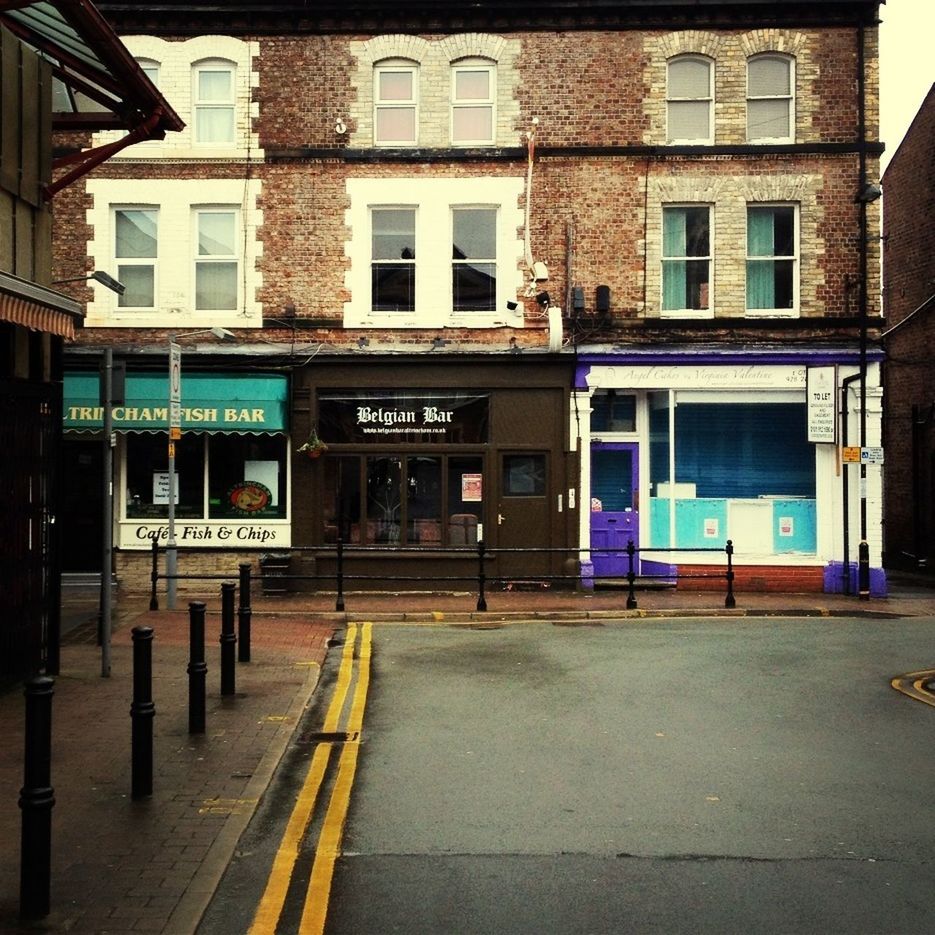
845 490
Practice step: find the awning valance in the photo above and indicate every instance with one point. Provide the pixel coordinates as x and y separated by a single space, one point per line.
37 307
211 402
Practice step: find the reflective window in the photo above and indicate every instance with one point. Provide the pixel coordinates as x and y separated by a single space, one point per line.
395 99
690 100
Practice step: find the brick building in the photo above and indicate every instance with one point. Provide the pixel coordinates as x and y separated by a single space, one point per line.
909 304
540 276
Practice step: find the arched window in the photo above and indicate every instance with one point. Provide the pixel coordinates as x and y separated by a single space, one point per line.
473 93
214 101
690 100
396 103
770 98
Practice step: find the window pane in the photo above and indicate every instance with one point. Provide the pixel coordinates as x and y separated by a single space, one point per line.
216 286
523 475
771 231
395 86
689 78
136 233
768 119
216 233
472 85
215 86
768 77
474 287
475 233
341 499
147 470
689 120
384 476
396 124
613 412
472 123
394 234
235 462
465 499
424 501
214 124
393 287
140 282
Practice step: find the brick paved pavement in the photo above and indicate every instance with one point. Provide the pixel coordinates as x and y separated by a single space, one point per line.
121 866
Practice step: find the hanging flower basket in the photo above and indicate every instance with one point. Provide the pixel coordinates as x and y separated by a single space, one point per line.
314 447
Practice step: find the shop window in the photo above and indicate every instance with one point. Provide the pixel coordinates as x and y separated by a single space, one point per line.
214 102
772 278
613 412
686 259
690 100
473 91
770 98
147 477
246 476
216 263
135 236
474 259
395 103
393 265
395 500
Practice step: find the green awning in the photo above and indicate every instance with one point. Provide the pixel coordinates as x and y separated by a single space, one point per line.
211 402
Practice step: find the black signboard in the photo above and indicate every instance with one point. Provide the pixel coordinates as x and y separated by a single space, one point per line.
411 416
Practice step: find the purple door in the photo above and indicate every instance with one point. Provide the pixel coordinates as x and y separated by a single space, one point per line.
615 517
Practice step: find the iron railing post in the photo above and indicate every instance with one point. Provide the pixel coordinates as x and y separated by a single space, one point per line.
730 601
631 576
197 667
154 575
481 576
244 615
339 601
228 639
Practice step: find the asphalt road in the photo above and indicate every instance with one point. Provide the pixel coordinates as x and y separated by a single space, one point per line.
708 775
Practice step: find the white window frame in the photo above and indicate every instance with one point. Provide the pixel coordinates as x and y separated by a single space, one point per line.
708 100
687 312
468 261
119 262
198 211
434 199
794 311
412 103
199 106
489 102
789 98
385 261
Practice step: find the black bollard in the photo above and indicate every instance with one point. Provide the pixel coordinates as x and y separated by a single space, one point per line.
36 799
228 639
142 712
339 557
197 667
730 601
631 576
244 615
863 571
481 577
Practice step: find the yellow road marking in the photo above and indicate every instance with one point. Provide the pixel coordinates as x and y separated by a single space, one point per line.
329 844
913 685
274 896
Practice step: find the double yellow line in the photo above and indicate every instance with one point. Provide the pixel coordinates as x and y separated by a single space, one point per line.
915 685
329 841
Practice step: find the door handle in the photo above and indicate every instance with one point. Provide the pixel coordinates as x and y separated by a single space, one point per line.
499 519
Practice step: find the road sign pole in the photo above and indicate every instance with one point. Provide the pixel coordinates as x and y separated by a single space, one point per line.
175 397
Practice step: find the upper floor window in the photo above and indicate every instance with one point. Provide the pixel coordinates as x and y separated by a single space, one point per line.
214 102
395 103
474 259
770 113
690 100
393 259
473 93
772 259
135 243
216 259
150 69
686 259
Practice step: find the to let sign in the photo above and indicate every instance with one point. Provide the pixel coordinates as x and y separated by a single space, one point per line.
820 393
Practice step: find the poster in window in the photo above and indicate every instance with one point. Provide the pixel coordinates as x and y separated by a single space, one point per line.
710 527
786 526
472 486
161 487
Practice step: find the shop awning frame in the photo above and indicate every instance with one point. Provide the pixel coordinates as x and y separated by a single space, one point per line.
37 307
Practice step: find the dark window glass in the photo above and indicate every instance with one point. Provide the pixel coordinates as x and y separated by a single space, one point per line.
236 460
148 471
524 475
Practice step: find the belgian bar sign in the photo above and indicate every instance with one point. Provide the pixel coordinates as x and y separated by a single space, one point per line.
820 393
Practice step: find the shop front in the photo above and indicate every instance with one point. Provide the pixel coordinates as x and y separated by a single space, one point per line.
686 452
232 466
425 462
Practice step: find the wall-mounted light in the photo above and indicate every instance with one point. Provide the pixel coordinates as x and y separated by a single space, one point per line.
105 279
543 299
340 127
512 306
870 192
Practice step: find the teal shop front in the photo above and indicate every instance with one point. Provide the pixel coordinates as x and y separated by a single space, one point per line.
232 462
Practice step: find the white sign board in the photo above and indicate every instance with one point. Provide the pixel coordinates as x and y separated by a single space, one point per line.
161 487
820 395
871 455
175 385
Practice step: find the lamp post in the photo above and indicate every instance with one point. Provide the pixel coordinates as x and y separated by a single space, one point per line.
175 434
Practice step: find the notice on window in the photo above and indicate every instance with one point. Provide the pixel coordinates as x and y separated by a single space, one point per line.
786 526
472 488
161 487
711 527
820 394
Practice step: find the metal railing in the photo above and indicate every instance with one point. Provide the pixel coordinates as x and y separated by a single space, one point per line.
481 577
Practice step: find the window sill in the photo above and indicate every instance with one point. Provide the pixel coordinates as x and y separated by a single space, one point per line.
771 313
